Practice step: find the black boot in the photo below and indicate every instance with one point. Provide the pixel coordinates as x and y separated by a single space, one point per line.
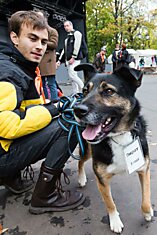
16 184
48 195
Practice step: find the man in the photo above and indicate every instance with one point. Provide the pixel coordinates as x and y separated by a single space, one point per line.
115 56
73 55
100 60
29 130
123 56
48 64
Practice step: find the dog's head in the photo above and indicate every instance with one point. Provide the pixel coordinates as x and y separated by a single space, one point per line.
109 105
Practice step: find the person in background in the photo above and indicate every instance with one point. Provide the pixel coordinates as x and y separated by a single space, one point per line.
47 65
73 55
153 61
141 62
115 56
155 57
132 63
30 130
123 56
100 60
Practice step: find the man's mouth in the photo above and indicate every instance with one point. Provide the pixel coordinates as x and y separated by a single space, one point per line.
37 55
94 134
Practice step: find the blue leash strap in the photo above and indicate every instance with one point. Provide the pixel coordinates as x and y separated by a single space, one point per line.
65 107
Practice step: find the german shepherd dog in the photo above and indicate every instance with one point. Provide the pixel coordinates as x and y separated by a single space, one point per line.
111 116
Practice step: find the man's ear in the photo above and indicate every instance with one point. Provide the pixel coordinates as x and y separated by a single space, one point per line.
14 38
88 69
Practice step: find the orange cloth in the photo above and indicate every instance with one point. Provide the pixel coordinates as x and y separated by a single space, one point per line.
102 56
38 84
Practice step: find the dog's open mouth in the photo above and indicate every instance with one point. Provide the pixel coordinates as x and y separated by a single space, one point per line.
94 134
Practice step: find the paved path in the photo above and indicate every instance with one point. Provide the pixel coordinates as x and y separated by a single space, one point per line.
91 218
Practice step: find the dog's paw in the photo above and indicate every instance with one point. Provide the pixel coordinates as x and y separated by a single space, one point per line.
148 216
82 179
116 224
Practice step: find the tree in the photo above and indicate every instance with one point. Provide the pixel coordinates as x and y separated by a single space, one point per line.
98 18
154 35
116 21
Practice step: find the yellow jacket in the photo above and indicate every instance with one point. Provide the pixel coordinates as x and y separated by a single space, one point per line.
21 111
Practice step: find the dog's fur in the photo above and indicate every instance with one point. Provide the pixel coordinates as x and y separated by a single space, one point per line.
111 114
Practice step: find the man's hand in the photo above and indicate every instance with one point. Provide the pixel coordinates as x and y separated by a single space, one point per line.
71 61
58 63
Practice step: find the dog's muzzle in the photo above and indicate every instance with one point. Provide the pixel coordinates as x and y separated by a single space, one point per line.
96 129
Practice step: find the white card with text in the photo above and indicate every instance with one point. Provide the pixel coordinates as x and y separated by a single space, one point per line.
134 156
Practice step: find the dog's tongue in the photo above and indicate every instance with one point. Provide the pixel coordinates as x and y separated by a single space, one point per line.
90 132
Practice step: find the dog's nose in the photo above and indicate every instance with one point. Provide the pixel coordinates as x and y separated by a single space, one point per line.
81 110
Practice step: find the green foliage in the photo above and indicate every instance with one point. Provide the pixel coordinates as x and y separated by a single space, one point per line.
98 18
117 21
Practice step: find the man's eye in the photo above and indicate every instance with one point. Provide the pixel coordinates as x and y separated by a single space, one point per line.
33 39
44 43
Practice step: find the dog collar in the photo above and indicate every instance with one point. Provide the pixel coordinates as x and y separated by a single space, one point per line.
120 134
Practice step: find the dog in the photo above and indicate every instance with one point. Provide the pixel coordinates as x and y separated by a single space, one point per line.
110 115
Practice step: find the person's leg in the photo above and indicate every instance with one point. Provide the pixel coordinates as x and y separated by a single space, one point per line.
44 82
75 87
50 143
48 195
77 83
53 87
114 66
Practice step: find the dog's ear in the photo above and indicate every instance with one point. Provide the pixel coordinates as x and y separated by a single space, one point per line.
88 69
133 76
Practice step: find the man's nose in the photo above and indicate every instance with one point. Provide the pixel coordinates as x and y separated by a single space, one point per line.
39 45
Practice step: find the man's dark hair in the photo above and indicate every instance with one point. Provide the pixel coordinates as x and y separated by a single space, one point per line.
20 18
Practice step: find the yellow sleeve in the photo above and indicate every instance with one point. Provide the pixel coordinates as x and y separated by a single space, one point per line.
12 127
13 122
8 98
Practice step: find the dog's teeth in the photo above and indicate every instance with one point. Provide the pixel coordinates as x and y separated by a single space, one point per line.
106 123
108 119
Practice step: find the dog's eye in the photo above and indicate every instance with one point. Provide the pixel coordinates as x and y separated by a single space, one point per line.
87 88
109 91
85 91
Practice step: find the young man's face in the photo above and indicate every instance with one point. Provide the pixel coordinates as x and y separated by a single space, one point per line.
68 27
31 43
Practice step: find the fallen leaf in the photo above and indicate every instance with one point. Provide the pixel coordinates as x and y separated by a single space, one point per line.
3 230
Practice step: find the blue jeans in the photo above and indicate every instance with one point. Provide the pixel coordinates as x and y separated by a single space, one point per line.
50 143
50 83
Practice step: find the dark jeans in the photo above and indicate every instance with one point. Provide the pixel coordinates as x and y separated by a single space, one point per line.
50 82
50 143
114 65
